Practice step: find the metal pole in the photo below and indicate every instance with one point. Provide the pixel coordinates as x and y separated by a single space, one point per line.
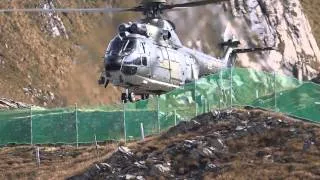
220 86
175 117
275 91
77 128
158 115
195 96
142 131
38 156
231 86
124 122
31 126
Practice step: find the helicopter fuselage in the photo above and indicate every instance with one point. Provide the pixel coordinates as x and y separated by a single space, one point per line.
151 60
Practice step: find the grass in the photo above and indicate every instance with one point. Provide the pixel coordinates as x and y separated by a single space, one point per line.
56 162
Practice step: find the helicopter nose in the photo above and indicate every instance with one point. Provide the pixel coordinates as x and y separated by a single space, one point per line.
112 63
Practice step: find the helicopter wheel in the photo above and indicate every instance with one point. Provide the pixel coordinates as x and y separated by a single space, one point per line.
124 97
144 96
132 97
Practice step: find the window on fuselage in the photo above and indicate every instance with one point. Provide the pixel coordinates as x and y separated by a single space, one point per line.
130 45
118 46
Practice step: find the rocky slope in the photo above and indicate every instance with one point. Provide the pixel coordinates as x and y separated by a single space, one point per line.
276 23
237 144
55 59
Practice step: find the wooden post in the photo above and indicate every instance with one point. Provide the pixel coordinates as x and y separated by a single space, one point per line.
142 131
38 156
96 144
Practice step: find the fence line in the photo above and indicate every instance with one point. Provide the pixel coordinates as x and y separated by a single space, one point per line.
244 87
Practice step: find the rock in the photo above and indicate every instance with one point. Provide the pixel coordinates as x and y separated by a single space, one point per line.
240 128
125 150
140 178
160 169
105 166
10 104
141 164
54 25
206 152
130 177
213 148
316 79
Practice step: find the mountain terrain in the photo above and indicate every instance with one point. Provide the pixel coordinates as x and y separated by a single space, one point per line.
51 59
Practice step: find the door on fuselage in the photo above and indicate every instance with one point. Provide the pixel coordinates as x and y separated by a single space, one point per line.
176 67
161 68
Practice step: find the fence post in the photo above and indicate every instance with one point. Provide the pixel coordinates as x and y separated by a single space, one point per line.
220 88
175 117
38 156
142 131
124 122
31 133
158 113
231 86
77 128
275 91
195 96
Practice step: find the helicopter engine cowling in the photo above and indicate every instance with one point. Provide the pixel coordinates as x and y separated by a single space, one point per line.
123 29
138 29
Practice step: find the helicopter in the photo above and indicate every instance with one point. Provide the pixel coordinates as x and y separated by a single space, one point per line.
146 57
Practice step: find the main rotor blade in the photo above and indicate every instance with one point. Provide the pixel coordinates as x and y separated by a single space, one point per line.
67 10
193 4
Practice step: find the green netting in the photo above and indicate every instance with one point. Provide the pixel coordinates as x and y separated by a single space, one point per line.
54 126
15 127
100 126
229 87
145 112
302 102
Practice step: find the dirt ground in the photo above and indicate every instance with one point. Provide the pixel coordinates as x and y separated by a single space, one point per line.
56 162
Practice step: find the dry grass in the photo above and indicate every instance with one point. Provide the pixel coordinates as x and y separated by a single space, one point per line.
56 162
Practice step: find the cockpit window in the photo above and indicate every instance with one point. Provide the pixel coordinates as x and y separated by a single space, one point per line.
115 46
130 45
118 46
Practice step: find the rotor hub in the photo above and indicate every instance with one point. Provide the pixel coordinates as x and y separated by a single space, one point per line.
153 1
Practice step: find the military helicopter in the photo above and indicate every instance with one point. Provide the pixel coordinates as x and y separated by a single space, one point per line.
147 57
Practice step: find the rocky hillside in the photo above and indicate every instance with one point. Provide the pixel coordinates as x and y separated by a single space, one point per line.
55 59
257 23
236 144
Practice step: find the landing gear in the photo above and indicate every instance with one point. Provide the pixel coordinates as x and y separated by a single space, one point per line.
125 97
144 96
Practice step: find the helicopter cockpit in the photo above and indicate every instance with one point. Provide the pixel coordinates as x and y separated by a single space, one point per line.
124 54
121 47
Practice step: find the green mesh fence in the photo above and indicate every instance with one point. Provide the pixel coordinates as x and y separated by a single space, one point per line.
229 87
15 126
